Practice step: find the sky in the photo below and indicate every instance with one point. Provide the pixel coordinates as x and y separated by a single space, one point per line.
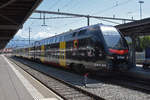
104 8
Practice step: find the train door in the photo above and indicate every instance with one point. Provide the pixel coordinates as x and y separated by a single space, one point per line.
62 54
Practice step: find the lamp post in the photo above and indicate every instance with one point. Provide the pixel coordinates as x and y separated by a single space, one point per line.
140 2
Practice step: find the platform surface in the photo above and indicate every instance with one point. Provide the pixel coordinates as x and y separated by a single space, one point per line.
15 84
139 72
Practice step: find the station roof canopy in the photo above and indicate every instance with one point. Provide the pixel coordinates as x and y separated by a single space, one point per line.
13 14
138 28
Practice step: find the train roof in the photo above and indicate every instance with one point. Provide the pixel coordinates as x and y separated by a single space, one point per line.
39 42
68 32
75 30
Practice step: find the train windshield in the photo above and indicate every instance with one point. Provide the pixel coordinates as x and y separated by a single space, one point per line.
113 38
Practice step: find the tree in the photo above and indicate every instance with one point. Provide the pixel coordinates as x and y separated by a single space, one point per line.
145 42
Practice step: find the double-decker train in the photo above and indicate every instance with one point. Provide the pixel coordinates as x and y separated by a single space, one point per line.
97 47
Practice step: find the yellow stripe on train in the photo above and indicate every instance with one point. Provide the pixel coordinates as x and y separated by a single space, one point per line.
62 54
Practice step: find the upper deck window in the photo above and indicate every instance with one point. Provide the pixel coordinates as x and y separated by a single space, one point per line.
67 37
82 32
74 34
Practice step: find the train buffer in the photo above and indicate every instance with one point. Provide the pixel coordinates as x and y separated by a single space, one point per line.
15 84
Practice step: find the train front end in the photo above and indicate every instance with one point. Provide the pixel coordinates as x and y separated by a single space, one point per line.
116 48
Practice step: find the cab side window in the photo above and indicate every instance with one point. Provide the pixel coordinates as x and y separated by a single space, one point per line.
82 32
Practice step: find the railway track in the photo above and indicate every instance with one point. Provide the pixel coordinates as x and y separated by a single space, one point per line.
60 87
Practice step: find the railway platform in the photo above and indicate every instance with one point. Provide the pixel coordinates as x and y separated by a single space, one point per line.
139 72
16 84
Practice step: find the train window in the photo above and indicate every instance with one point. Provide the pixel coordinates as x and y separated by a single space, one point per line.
51 40
68 36
74 34
55 39
45 42
82 32
60 38
42 42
